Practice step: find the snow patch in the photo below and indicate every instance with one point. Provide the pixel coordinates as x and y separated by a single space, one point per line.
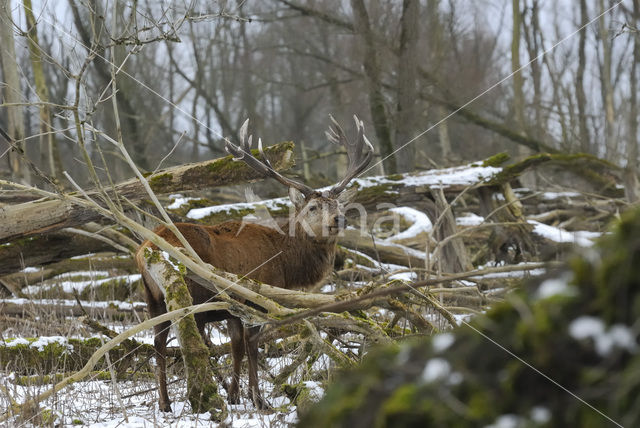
617 336
558 195
315 390
404 276
178 201
441 342
469 219
82 256
581 238
420 223
507 421
540 415
39 344
269 204
436 368
461 175
555 287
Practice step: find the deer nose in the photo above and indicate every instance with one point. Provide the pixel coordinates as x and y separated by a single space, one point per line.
340 221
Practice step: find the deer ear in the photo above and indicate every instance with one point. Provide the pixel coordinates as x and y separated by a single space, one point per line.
297 198
347 196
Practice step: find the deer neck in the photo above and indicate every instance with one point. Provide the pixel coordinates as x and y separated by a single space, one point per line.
308 260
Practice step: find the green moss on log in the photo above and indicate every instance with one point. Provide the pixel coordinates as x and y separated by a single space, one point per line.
73 354
496 160
160 181
202 391
595 170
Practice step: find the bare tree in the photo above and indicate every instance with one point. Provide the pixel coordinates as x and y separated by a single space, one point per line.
373 79
49 153
407 85
631 171
12 96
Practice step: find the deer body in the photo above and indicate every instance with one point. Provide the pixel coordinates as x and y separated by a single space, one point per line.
297 256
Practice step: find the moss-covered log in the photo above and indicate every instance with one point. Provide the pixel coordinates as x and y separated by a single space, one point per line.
598 173
94 262
67 309
202 391
36 217
42 356
47 248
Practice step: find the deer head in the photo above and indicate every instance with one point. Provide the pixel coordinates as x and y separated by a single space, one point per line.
317 214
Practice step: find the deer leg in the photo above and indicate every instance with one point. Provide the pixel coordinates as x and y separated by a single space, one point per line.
251 342
160 345
201 323
236 333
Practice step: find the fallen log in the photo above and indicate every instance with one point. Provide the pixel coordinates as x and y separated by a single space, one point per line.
62 308
20 279
48 215
45 249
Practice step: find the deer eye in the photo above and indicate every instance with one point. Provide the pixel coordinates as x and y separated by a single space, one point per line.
313 207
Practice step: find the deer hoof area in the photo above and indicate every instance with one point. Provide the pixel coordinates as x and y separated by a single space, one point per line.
165 407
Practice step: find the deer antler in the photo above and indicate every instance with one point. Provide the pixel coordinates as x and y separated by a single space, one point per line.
243 152
359 152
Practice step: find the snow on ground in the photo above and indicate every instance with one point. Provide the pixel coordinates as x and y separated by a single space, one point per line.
420 223
96 404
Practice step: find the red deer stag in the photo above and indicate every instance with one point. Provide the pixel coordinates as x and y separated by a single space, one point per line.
302 251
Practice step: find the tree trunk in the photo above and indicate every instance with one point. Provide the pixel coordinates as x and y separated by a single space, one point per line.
373 82
126 95
48 146
407 85
533 39
581 99
631 170
518 81
452 257
12 95
606 85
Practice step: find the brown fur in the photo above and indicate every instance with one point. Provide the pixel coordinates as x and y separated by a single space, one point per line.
306 259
